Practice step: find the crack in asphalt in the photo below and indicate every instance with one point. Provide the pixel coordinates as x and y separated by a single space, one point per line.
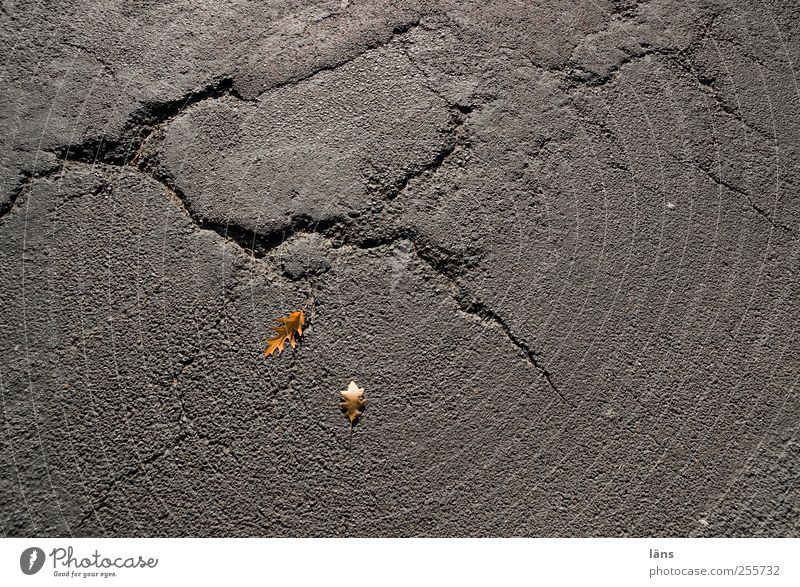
737 190
458 120
478 308
708 87
627 8
102 494
578 77
681 59
141 125
8 205
581 76
130 151
391 228
28 178
396 32
110 71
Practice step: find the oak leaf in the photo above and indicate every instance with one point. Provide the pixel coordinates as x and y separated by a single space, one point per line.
353 402
290 327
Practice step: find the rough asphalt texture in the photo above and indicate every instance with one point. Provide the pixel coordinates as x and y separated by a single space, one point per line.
555 241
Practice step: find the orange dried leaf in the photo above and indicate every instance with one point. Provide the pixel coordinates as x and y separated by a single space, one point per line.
290 327
353 402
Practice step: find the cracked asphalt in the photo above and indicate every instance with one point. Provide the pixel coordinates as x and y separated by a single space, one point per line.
556 242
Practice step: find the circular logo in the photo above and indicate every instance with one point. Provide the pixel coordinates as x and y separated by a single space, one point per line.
31 560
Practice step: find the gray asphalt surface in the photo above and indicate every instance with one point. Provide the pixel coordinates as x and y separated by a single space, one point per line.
555 241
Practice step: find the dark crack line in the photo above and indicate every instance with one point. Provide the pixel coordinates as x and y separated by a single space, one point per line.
7 206
626 9
709 89
28 177
479 309
681 58
601 130
100 496
110 71
737 190
458 120
580 76
256 244
398 31
141 125
443 264
404 47
342 232
129 153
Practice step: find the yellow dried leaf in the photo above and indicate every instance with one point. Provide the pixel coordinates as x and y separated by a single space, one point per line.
353 402
290 326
